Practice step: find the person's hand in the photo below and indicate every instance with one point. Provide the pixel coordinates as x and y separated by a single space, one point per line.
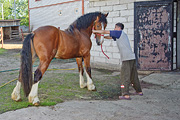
94 31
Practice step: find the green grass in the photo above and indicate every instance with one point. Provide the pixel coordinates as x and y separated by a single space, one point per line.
59 87
2 50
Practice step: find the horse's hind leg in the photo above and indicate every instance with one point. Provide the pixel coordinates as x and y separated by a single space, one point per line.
33 95
16 92
90 84
81 71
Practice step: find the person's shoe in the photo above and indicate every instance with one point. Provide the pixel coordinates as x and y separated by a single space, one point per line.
124 98
139 93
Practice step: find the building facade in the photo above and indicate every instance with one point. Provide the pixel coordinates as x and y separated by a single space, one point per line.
61 13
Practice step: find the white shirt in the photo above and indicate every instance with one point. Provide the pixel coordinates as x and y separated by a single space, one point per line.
123 44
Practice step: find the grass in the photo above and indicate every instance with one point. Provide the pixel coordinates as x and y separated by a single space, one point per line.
59 87
2 50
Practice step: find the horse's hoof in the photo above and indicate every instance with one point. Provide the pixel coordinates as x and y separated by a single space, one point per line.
34 100
83 86
91 88
94 89
19 100
16 97
37 104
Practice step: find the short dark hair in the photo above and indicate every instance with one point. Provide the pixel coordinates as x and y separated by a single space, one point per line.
120 25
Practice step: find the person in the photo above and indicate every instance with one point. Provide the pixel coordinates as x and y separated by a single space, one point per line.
129 75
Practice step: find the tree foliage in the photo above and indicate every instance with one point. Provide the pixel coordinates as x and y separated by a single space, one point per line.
21 10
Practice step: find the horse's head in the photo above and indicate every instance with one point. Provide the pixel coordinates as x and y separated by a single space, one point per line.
100 24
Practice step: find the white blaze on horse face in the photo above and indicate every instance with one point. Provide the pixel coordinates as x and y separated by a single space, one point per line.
90 84
16 92
102 37
33 96
81 81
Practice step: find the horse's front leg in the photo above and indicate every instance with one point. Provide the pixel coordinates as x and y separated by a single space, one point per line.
90 84
81 71
16 92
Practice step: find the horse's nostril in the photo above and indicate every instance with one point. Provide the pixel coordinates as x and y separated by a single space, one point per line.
98 43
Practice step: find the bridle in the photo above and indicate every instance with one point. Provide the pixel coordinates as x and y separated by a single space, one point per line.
101 44
96 33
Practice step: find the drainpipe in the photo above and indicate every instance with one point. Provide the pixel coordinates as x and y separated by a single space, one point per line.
82 7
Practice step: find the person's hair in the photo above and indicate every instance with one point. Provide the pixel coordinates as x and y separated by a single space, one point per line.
120 25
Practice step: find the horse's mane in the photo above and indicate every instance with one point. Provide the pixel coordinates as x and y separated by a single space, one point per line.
85 21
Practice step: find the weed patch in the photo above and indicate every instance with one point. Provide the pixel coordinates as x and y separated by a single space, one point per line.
59 87
2 51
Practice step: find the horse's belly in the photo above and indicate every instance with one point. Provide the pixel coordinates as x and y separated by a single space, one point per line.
67 54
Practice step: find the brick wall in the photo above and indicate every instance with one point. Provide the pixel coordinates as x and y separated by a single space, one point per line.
119 11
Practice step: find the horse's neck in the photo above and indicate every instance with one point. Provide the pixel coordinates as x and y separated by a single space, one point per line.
88 31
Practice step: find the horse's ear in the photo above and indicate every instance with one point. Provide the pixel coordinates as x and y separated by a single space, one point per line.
106 14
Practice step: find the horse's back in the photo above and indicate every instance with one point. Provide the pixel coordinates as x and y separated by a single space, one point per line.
46 31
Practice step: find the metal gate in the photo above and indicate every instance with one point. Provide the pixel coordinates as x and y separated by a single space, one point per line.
153 23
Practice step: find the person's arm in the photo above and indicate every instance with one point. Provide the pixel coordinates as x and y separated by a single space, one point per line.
113 33
101 31
108 37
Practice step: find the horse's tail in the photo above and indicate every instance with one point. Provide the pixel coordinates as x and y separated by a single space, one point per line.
25 74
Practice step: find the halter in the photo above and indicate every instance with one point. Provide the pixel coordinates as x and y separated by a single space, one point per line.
96 33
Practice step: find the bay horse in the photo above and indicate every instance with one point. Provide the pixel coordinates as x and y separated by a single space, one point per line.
48 42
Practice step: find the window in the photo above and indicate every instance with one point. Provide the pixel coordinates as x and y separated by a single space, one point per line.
60 12
76 10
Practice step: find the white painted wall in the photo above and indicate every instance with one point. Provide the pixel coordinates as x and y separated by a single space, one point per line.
33 3
51 15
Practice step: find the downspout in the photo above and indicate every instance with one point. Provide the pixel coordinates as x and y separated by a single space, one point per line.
82 7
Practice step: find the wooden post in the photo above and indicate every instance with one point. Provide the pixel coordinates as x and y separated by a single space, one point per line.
10 31
22 34
2 36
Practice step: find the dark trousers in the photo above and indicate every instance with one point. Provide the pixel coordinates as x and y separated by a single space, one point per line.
129 76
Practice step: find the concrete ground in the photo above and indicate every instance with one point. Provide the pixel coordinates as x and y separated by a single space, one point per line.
161 101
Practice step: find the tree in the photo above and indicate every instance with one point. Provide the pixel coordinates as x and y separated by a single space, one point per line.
7 9
21 10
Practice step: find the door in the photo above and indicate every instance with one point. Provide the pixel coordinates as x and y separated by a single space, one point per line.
153 23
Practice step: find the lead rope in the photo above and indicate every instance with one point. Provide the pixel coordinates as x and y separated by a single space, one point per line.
103 52
101 44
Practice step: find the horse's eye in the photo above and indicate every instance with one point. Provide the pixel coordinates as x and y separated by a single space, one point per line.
98 26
